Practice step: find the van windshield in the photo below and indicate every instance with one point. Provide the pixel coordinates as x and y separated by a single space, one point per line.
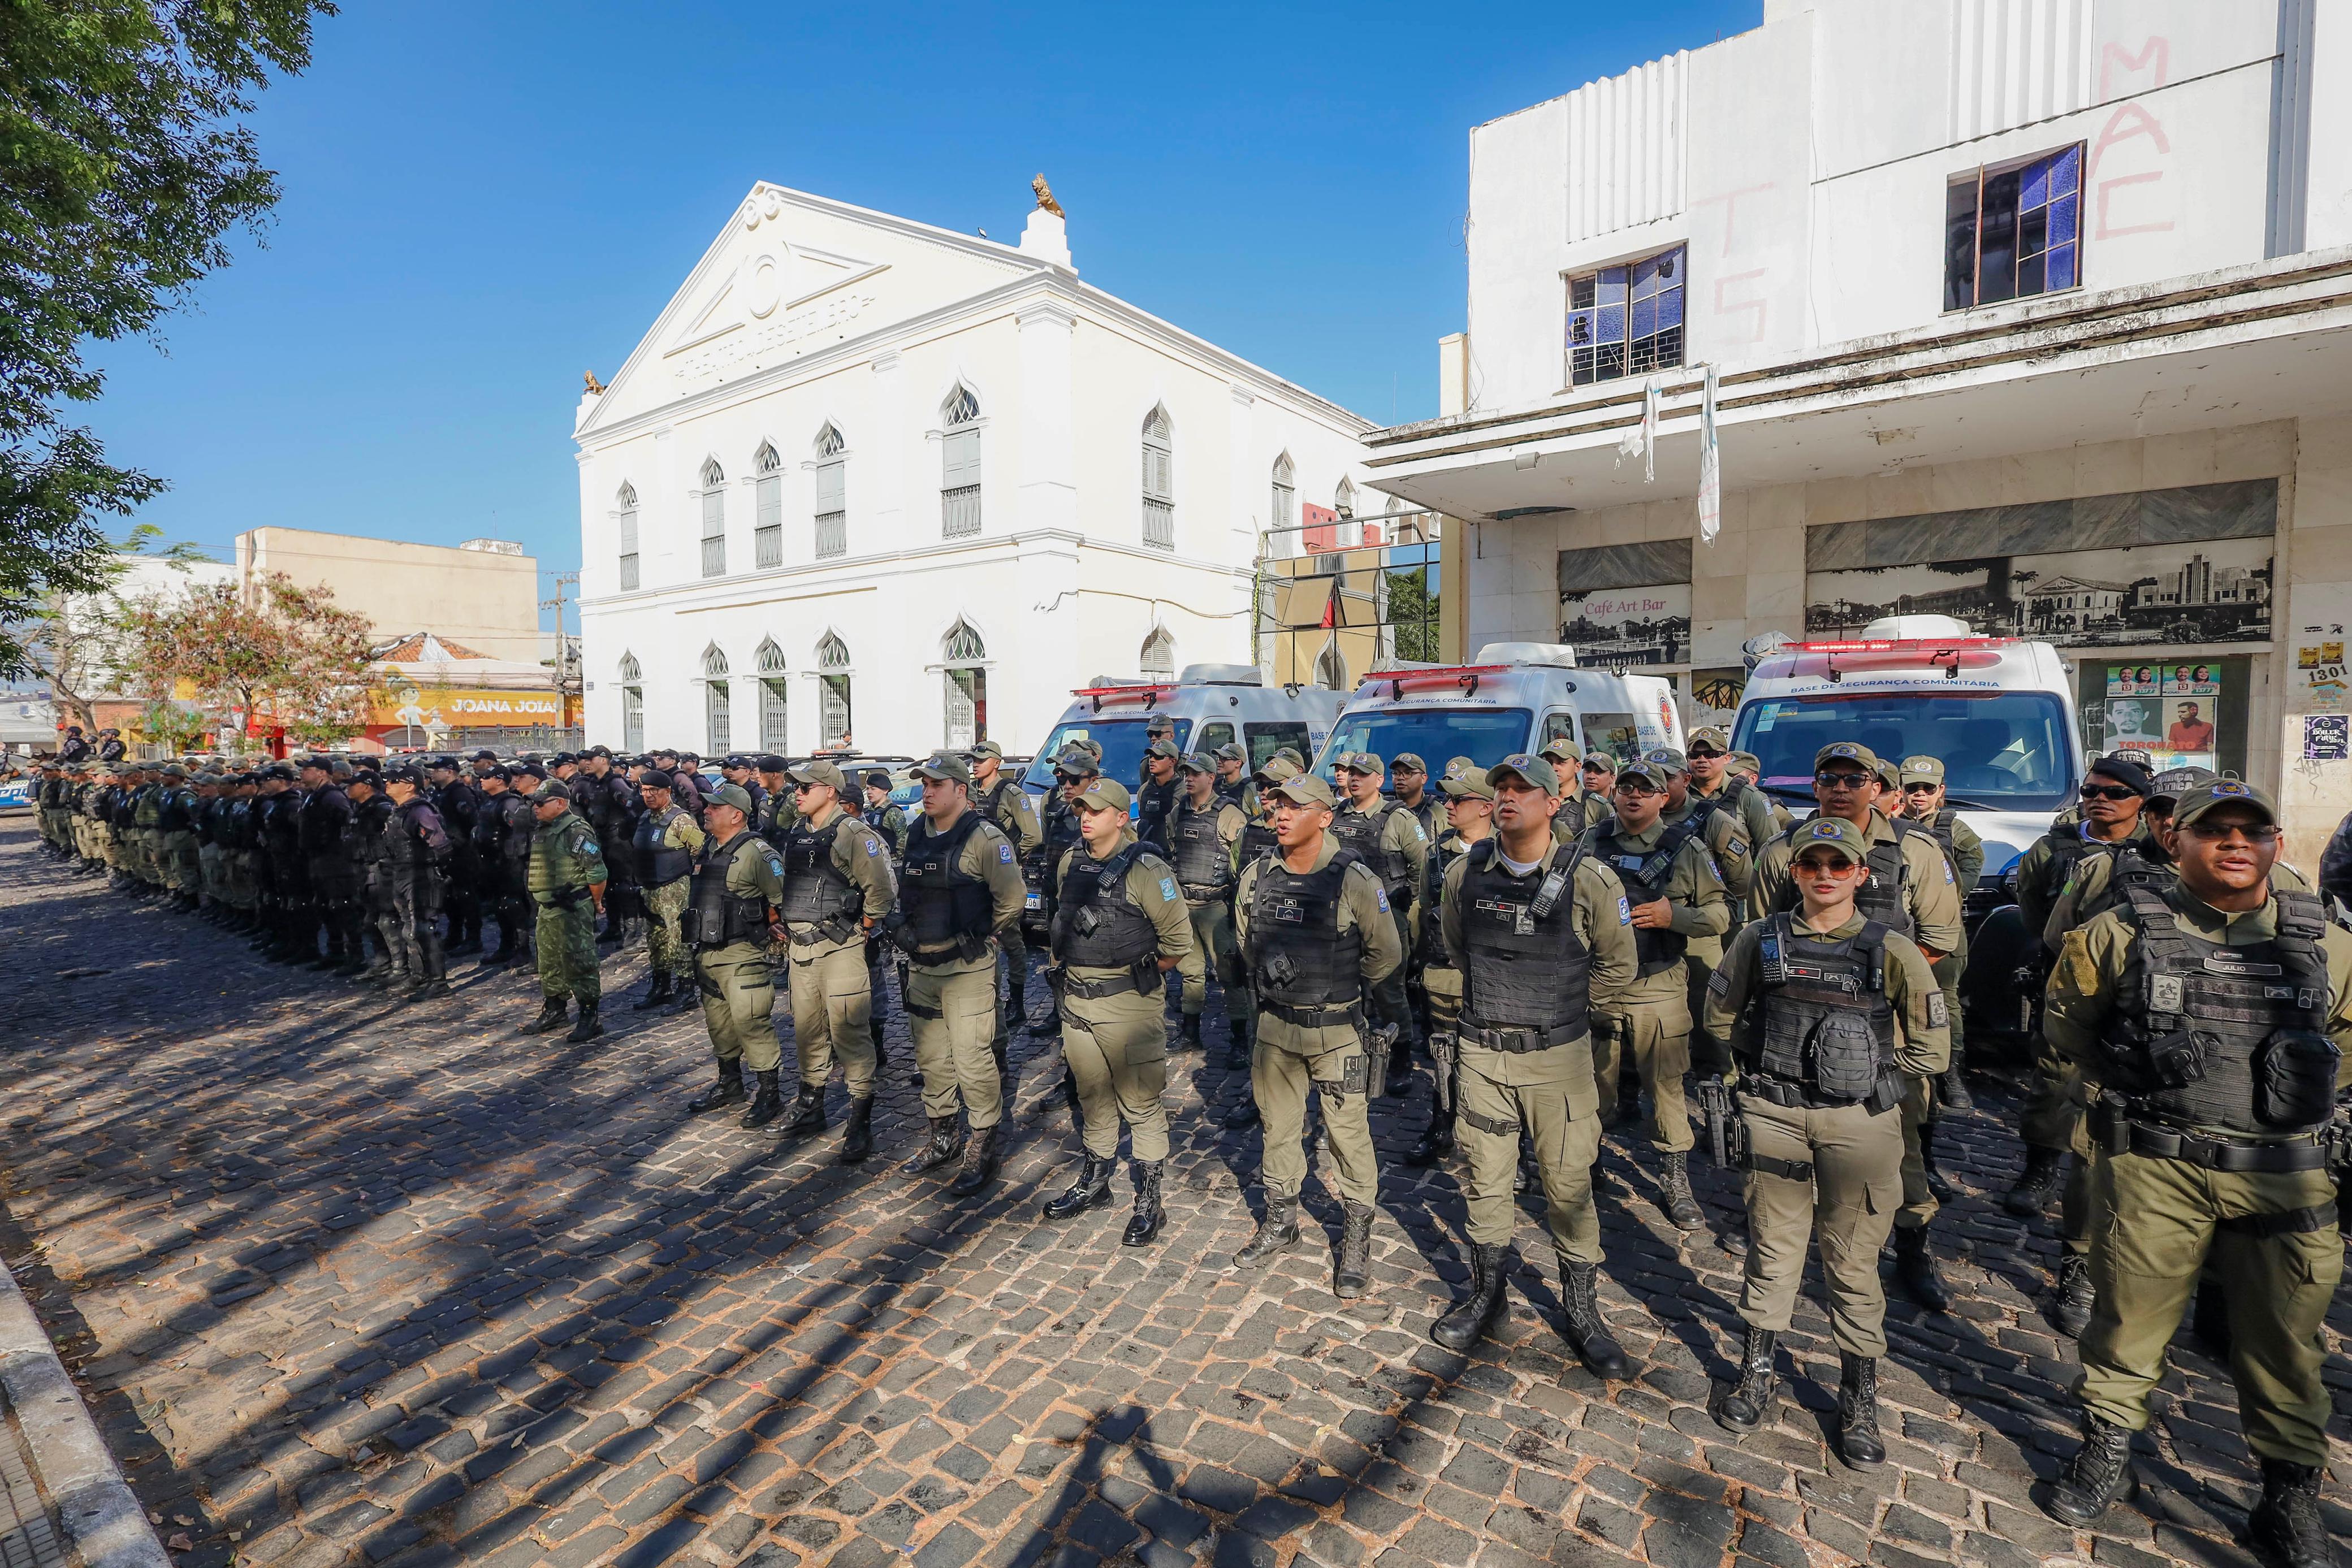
2002 751
1485 735
1123 741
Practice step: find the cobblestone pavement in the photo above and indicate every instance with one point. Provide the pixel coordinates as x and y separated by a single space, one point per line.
352 1283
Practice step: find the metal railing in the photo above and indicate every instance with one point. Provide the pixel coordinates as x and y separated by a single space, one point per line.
959 511
831 535
1159 523
1362 590
628 573
768 547
714 556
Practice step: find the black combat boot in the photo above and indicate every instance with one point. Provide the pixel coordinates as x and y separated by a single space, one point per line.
1749 1403
1399 1080
1628 1109
587 1026
1188 1032
685 994
2045 1170
2286 1526
655 994
1944 1191
1468 1321
427 990
767 1099
551 1016
1277 1232
1436 1140
980 1156
1582 1326
1859 1443
1243 1116
1951 1088
1351 1271
808 1112
1144 1225
1915 1267
2071 1304
945 1143
858 1132
1237 1047
2210 1320
1674 1181
2099 1473
728 1090
1091 1190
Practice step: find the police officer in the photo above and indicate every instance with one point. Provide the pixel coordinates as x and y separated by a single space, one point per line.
1409 787
1258 842
1826 1014
884 816
1318 934
1058 835
1119 925
1678 913
997 797
175 836
1909 889
961 885
334 879
1387 837
1749 768
459 803
1204 834
1157 798
778 810
416 846
1234 777
371 809
74 749
1714 782
1572 810
519 824
2208 1019
283 875
2115 790
663 844
1542 937
889 819
1598 772
1469 820
110 749
1921 780
738 882
601 793
565 878
839 887
495 786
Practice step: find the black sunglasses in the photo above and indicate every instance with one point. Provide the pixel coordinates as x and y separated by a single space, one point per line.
1829 780
2109 792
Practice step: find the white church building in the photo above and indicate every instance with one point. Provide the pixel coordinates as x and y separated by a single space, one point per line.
870 483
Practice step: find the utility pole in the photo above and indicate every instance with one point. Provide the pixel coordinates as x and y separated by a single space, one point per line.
566 685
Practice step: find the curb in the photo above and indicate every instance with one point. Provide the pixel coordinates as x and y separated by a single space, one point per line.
101 1517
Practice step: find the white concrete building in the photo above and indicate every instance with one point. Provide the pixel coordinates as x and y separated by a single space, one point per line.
868 479
2029 311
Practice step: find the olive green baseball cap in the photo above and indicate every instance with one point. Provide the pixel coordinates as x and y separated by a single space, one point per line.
1749 760
1922 770
945 767
1462 779
1560 748
2173 781
557 790
1827 829
1077 762
1163 747
1200 762
1527 769
1890 777
1362 762
2194 803
1277 768
1646 771
817 770
1230 752
1852 752
1668 759
1407 762
1712 736
1305 789
1103 795
733 795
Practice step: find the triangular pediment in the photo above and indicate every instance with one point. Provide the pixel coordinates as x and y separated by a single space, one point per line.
772 276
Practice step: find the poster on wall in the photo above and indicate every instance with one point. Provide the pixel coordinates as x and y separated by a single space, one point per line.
2187 565
2170 712
1627 604
2325 739
2322 683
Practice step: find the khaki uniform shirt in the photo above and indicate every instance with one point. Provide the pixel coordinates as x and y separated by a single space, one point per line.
1930 896
2090 969
1013 814
1601 923
1699 908
1150 887
1401 835
1923 1037
756 871
1364 905
1754 813
2091 892
1726 837
989 856
860 855
1561 822
2037 895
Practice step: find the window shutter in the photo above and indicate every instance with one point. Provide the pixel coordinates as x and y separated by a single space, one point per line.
829 488
962 453
714 514
770 504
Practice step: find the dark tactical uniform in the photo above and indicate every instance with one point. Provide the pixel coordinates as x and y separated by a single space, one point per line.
663 845
416 846
2213 1045
289 873
611 808
368 819
326 827
459 805
509 869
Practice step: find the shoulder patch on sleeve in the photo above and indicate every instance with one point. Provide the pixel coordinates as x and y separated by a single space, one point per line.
1624 911
1380 894
1719 984
1168 888
1938 1014
1004 853
873 846
1947 870
1733 848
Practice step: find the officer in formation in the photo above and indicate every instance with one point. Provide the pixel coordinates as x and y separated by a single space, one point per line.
736 888
662 845
1469 820
1921 779
1204 842
839 887
415 847
1156 795
565 879
1078 762
1120 924
1387 837
1573 810
997 796
1234 777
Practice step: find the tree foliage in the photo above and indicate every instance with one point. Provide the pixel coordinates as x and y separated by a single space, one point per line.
282 655
1412 614
124 165
74 642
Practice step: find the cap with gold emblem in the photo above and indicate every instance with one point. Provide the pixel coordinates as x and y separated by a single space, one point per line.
2195 802
1303 789
1464 780
1103 795
1530 770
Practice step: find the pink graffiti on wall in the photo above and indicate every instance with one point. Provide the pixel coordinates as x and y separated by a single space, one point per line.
2131 121
1725 305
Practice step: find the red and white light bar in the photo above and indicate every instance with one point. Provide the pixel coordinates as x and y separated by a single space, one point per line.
1898 645
1464 676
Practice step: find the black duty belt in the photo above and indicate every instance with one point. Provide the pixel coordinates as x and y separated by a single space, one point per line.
1092 990
1790 1096
2117 1132
835 930
564 898
1339 1015
1517 1039
1208 893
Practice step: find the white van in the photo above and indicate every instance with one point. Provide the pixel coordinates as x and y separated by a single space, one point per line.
1998 712
1212 706
1513 697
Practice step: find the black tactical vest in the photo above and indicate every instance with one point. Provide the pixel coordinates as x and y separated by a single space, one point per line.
1524 967
174 811
1202 866
721 918
1258 840
408 838
815 890
1097 924
1360 831
368 821
2230 1038
658 863
1821 1020
1060 828
1298 957
1570 820
943 904
1880 897
1233 789
1431 948
1645 874
1154 803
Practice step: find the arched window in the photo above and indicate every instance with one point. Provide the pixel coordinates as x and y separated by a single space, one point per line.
1159 655
714 520
960 463
833 693
717 703
1330 670
1159 481
831 507
632 700
964 655
1343 500
625 516
767 508
1286 498
770 665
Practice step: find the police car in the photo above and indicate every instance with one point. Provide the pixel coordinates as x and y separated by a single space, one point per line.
1209 704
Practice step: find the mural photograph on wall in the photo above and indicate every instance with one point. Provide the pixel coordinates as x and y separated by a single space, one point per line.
2187 565
1627 604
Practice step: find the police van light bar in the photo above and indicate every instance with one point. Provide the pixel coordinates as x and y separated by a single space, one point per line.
1466 676
1147 693
1898 645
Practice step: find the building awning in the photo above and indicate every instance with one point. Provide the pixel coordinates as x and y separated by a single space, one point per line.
2267 341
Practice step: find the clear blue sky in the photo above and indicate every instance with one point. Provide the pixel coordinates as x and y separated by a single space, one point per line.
482 201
